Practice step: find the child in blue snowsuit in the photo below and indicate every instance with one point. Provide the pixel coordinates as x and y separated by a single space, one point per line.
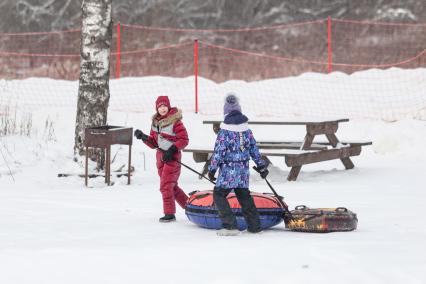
234 147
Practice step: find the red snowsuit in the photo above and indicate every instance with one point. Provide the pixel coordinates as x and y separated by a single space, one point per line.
166 131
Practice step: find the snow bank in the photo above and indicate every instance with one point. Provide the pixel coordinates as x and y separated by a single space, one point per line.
390 95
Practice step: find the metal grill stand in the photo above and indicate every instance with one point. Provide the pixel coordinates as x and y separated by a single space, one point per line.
104 137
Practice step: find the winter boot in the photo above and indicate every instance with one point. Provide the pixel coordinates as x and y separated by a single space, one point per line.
167 218
227 232
257 231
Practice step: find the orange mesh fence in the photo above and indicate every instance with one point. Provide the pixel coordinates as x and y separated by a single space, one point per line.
364 45
278 70
138 94
49 54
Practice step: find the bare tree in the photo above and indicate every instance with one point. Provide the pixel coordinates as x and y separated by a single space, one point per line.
93 92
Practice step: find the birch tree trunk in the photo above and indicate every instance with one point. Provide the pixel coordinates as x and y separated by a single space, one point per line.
93 91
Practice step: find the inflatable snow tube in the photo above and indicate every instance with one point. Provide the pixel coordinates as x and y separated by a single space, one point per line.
322 220
201 210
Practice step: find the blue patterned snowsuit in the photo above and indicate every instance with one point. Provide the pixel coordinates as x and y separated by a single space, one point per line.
231 156
234 147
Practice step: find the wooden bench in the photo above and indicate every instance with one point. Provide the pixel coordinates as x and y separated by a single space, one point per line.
293 157
297 154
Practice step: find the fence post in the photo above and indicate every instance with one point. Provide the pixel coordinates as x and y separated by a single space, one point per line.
330 54
118 59
196 73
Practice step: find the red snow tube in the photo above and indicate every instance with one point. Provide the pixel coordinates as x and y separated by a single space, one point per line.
201 210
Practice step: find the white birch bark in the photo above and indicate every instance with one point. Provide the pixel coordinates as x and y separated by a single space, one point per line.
93 92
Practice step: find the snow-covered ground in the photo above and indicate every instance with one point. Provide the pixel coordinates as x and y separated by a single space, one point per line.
55 230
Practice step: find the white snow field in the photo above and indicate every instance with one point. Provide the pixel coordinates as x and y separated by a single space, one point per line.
55 230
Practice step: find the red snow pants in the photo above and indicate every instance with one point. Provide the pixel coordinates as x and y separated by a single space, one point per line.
169 174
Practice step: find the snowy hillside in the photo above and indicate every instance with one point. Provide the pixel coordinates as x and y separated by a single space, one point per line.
55 230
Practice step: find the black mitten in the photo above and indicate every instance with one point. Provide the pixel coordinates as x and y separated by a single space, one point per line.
140 135
211 176
168 155
263 171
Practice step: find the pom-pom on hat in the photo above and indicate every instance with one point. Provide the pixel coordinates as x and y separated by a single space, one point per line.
231 104
162 100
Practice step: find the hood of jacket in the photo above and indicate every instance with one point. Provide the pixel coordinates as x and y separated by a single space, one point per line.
235 117
171 117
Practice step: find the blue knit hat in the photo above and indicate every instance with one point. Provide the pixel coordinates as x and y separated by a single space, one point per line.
231 103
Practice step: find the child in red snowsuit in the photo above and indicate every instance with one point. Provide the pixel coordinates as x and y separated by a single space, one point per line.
168 135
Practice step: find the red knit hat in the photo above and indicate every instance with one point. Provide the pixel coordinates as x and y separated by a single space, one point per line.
162 100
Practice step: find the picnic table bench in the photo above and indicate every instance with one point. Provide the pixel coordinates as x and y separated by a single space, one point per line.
297 153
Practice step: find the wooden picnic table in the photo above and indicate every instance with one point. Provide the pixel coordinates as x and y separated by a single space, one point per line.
297 154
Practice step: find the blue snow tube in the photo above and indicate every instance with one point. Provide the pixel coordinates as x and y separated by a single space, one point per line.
201 211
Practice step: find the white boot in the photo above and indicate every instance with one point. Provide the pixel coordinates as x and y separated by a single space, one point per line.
226 232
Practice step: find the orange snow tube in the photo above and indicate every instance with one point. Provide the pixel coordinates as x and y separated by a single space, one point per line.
322 220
